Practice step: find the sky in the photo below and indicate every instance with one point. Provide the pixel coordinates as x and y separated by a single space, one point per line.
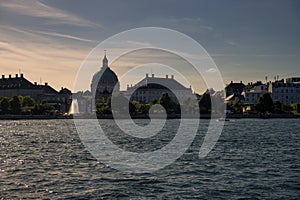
248 40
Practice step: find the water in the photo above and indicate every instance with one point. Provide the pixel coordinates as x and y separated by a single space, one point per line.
253 159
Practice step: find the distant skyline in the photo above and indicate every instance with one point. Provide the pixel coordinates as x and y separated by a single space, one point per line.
248 40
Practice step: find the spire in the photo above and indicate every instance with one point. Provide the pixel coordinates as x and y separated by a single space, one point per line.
104 61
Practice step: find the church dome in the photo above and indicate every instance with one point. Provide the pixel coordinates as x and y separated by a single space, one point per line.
104 81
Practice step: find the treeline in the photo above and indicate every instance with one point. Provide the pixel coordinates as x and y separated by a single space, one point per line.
19 105
103 106
263 104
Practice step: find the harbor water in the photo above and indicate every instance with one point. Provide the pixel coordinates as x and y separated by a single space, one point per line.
253 159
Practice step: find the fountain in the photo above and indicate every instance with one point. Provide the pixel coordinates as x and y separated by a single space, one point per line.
74 107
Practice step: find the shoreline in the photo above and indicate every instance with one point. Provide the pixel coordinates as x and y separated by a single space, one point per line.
203 116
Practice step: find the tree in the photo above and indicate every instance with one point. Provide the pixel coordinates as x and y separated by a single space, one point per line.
277 107
15 105
45 108
164 100
4 105
103 106
237 105
287 108
28 101
170 105
264 103
205 103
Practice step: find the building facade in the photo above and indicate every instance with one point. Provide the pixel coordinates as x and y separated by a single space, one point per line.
20 86
286 92
151 88
253 91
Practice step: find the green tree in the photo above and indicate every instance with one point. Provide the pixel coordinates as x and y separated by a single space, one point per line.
28 101
4 105
277 107
102 106
264 103
44 108
287 108
170 105
15 105
205 103
237 105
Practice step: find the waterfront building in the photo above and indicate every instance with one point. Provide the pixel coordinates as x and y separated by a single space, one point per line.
20 86
151 88
253 91
234 88
104 81
286 92
293 80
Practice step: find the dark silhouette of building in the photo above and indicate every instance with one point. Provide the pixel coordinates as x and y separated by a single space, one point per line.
20 86
104 81
151 88
234 88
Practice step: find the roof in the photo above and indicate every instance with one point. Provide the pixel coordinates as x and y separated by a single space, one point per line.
155 82
105 75
15 82
19 82
236 85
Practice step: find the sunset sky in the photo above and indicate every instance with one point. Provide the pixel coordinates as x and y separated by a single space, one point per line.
248 40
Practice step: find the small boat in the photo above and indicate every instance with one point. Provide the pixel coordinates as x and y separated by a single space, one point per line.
222 119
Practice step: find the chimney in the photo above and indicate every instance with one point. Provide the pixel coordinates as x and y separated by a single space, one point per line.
172 76
9 76
35 83
241 81
231 81
21 75
46 83
3 76
16 75
147 75
152 75
167 76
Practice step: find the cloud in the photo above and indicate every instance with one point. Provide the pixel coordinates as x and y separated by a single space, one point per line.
232 43
211 70
183 24
192 21
34 8
276 55
65 36
38 55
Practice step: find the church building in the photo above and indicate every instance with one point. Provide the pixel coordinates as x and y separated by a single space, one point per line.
104 81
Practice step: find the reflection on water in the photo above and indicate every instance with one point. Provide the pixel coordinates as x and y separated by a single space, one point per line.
253 159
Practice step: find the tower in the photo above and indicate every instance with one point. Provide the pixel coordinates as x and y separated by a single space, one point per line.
105 61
